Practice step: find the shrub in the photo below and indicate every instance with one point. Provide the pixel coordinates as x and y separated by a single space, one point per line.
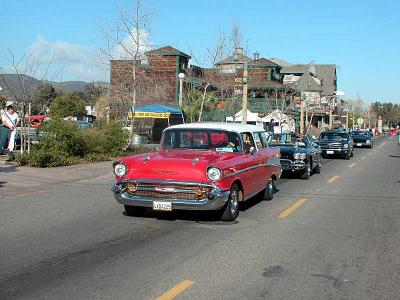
64 137
42 158
22 158
64 143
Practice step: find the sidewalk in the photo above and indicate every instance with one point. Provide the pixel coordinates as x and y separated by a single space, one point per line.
17 181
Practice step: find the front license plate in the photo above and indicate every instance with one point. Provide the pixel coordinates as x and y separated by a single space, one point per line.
162 205
359 144
330 152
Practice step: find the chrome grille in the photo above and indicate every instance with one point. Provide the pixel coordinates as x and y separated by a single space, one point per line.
168 191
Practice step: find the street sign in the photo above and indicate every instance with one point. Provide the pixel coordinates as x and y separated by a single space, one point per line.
360 121
238 91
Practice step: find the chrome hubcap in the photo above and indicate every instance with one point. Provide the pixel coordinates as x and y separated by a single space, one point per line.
234 202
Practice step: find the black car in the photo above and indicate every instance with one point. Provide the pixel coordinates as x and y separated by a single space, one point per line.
299 154
336 143
362 138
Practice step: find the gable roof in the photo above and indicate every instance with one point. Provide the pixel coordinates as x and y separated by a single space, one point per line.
263 62
280 62
327 72
230 60
167 51
307 83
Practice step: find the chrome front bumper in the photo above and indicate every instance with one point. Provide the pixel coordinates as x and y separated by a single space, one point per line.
336 151
216 199
289 165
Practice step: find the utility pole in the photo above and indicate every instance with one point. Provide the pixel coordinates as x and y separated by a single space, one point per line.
302 116
244 100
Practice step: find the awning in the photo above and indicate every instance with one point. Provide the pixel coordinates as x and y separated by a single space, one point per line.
156 111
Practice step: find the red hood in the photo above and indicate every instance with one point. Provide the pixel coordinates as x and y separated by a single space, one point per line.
180 165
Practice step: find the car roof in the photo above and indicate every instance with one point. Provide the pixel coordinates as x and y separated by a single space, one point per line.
219 126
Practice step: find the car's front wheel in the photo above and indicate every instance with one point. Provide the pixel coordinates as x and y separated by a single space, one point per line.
307 173
231 209
134 211
317 169
270 189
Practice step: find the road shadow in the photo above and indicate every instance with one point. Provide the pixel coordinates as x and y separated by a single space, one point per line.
209 217
394 156
2 183
8 169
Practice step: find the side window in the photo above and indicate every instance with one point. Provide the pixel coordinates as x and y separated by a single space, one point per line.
257 139
248 141
264 139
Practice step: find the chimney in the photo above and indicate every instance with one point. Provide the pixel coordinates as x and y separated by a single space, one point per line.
256 56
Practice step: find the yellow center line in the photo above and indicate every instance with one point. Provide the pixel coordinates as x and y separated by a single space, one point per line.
292 208
318 190
381 145
352 165
333 179
176 290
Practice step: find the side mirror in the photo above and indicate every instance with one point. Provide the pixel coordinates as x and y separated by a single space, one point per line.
251 150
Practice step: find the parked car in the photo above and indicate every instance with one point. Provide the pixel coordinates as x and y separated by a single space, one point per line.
335 143
299 154
362 138
199 166
37 120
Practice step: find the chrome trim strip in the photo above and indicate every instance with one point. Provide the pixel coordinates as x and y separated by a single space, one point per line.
242 171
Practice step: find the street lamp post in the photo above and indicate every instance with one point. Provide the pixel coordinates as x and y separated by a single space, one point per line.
244 99
181 76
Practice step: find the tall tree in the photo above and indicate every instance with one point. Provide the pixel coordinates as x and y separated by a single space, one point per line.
67 105
43 97
127 41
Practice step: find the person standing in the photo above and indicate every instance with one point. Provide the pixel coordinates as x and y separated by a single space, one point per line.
271 125
10 120
4 131
284 131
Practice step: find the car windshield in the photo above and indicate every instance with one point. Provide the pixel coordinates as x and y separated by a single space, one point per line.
288 139
362 133
333 136
201 139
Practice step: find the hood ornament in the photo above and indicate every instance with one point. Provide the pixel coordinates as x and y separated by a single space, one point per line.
195 161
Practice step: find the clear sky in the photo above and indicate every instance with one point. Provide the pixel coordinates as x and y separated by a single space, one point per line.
360 36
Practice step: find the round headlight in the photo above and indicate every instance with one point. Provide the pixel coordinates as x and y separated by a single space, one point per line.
214 174
299 156
346 146
120 170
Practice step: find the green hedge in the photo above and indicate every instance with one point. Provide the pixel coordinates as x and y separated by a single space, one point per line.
63 143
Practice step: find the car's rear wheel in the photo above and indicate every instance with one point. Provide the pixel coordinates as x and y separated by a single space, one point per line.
269 190
134 211
231 209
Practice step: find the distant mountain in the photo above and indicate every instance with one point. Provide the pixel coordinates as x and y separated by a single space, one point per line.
15 86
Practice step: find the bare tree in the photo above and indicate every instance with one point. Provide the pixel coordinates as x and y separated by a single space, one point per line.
30 74
126 41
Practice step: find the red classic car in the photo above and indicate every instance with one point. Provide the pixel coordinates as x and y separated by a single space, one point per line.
199 166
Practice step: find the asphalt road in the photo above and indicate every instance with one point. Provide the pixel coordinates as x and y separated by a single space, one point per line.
335 236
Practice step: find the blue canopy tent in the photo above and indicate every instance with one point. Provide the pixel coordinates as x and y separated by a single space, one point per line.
162 115
156 111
